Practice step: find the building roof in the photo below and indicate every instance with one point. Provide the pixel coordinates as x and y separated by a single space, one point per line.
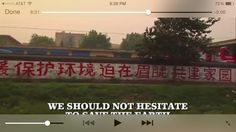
7 40
65 33
223 43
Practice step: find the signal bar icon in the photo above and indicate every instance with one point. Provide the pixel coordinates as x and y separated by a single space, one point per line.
29 3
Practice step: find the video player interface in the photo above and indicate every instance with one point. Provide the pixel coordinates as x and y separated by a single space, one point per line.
118 65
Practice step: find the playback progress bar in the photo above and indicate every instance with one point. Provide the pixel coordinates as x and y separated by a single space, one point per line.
147 12
46 123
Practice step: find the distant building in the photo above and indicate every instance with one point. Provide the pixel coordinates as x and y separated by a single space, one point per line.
222 51
69 40
7 40
115 46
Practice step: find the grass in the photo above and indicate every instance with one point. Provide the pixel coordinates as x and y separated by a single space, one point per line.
32 97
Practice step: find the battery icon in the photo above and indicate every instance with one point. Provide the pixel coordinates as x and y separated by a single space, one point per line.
228 3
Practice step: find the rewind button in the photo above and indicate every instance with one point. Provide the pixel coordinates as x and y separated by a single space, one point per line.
88 123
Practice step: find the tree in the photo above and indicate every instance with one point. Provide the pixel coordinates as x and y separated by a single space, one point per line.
131 41
41 41
178 40
95 40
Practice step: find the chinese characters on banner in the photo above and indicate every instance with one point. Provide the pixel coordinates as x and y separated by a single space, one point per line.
82 70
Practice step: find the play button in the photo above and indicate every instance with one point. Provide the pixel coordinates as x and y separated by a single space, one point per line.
116 122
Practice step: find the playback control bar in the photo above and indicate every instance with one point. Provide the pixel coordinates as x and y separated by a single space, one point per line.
116 123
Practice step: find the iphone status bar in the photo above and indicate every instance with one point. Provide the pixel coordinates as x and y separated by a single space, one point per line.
155 8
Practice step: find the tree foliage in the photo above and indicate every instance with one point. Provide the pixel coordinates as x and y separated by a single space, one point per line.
176 39
41 41
95 40
131 41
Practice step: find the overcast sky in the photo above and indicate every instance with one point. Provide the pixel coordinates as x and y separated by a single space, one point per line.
115 26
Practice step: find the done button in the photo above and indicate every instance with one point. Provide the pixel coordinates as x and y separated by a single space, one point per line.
12 12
